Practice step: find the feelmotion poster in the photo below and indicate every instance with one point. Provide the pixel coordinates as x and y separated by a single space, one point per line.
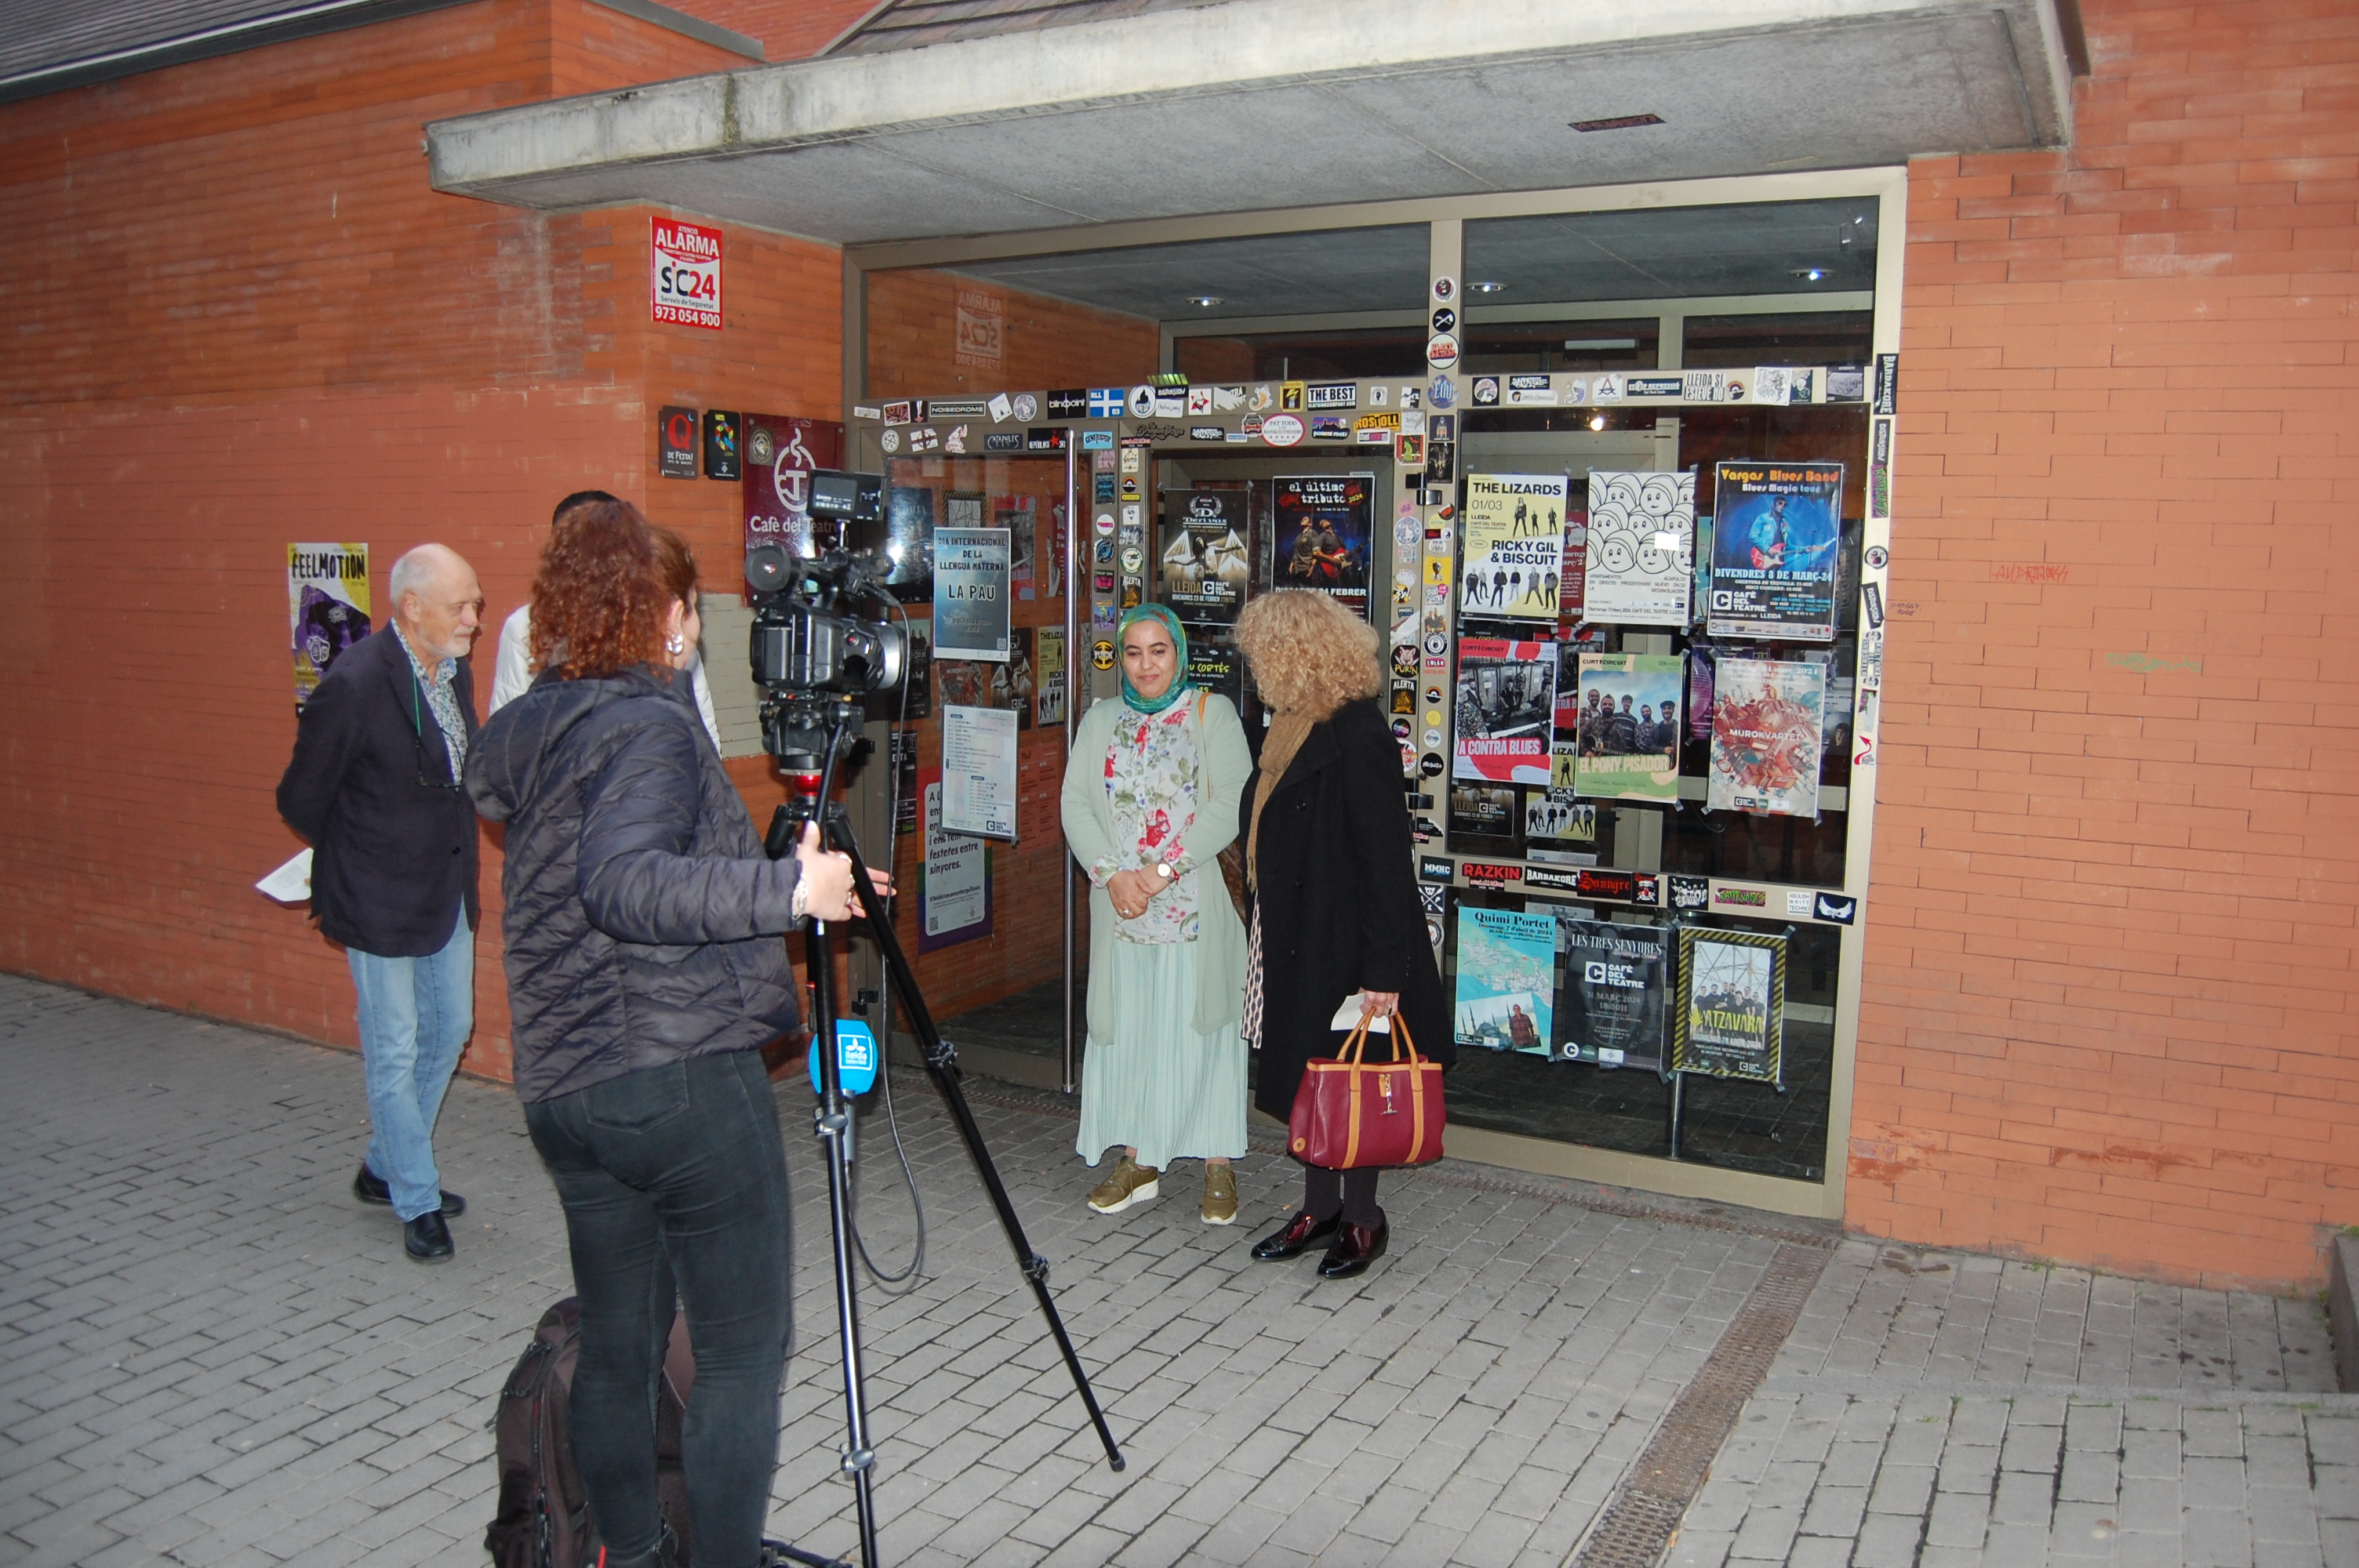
1506 979
327 608
1324 527
1774 538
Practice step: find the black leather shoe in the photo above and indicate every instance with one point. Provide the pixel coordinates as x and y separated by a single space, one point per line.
369 1188
427 1239
1299 1232
1355 1247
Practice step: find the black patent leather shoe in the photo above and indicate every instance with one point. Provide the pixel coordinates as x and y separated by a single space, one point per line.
1299 1232
369 1188
1355 1247
427 1239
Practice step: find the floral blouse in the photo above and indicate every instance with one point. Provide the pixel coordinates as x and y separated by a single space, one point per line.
1152 770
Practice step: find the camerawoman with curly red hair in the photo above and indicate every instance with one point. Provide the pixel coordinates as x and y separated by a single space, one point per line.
646 972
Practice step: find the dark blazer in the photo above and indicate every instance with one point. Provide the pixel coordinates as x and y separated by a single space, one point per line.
643 920
394 861
1337 893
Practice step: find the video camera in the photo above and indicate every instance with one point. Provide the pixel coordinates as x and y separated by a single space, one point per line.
815 657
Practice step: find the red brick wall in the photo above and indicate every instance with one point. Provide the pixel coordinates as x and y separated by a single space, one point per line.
240 319
2107 1006
912 340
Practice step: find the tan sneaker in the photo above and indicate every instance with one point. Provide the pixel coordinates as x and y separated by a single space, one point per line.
1129 1183
1219 1195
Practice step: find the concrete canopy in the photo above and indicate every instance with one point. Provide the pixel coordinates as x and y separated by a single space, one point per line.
1274 104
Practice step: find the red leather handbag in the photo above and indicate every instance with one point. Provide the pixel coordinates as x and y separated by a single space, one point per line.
1351 1114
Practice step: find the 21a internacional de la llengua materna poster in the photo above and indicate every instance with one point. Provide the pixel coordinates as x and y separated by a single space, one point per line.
1775 531
1506 979
1766 735
1506 710
971 605
327 608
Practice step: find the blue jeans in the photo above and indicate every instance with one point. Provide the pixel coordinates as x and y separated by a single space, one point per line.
676 1174
415 1016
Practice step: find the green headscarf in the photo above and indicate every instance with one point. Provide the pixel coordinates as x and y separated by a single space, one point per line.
1179 686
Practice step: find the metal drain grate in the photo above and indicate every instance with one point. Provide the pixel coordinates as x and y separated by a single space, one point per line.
1638 1523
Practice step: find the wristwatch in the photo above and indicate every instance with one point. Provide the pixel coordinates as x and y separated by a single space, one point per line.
1163 870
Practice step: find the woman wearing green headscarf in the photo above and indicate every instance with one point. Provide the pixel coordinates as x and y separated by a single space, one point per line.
1151 798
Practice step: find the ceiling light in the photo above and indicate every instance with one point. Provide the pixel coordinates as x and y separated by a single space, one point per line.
1601 342
1618 123
1810 273
1487 287
1597 420
1205 301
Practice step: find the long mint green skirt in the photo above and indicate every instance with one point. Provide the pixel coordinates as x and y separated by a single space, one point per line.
1158 1085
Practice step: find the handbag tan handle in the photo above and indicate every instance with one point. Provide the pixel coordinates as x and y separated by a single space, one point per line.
1355 1044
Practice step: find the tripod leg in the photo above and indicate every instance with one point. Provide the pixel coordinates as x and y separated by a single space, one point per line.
835 1123
939 1066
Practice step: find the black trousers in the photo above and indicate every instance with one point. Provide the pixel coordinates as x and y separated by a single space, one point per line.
1350 1193
675 1177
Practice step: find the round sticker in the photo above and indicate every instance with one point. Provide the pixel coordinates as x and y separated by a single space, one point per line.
1445 320
1433 931
1142 402
1105 522
1102 654
1434 698
1281 430
1405 660
1441 351
1444 391
1486 391
1406 531
1444 287
1433 717
759 448
1877 558
1433 737
890 441
1431 766
1105 552
1437 644
1025 408
1133 557
1401 727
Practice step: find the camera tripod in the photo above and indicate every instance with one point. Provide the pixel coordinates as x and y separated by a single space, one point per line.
833 1126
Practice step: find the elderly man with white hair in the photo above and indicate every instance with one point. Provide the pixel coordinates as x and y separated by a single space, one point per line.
373 786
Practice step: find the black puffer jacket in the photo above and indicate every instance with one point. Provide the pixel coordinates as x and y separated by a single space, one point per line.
643 922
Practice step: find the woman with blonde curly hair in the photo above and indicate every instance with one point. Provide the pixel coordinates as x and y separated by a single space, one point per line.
1335 913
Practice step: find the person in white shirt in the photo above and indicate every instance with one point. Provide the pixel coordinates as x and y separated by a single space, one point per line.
512 671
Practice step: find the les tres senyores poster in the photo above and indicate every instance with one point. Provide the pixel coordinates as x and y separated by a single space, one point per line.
1729 1018
1775 531
1513 525
1766 737
1205 565
327 608
1641 544
1506 710
1506 979
1325 526
1626 730
1613 1007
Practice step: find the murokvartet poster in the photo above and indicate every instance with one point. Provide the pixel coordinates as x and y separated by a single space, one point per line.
1514 525
1768 732
1776 527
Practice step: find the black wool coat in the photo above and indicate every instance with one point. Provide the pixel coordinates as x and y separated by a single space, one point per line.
1336 891
393 860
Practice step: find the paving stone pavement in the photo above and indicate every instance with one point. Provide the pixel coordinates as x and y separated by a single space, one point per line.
209 1353
1943 1407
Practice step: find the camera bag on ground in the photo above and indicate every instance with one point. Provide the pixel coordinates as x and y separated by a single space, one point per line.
544 1514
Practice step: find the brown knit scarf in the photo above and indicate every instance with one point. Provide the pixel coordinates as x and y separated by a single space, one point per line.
1287 732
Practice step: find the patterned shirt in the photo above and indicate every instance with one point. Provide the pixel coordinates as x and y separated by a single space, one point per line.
443 697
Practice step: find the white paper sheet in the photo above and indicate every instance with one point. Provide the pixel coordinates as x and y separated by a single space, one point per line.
1348 1017
290 883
